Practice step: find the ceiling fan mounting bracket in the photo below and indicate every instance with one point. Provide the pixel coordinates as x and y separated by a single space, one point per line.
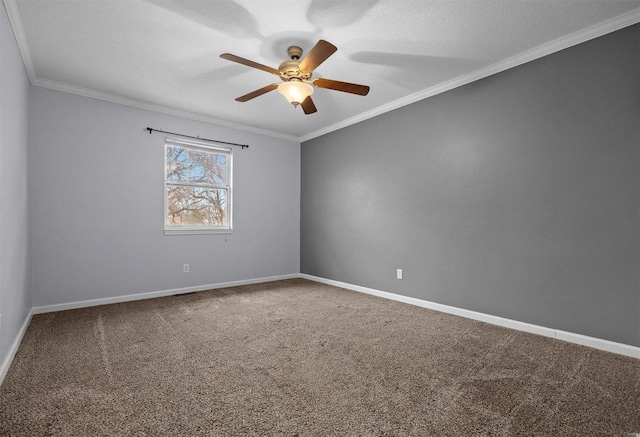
294 52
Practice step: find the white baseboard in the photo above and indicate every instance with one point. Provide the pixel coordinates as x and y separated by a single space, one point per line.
6 363
596 343
154 294
8 359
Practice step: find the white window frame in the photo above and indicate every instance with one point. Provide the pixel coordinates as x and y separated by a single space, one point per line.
204 229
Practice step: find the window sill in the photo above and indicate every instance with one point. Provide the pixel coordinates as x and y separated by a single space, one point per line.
196 231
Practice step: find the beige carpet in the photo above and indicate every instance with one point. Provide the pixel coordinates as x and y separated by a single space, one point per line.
300 358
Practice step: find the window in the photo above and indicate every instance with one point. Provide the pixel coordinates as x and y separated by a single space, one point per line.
197 188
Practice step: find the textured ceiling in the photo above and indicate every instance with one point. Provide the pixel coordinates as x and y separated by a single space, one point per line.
164 54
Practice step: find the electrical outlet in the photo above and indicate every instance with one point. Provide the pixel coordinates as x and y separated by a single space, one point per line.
185 268
399 273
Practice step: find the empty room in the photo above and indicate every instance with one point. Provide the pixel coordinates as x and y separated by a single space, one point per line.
320 217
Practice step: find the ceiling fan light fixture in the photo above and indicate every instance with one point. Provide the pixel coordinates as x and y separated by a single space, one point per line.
297 85
295 91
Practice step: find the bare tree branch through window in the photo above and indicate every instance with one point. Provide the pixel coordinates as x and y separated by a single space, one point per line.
197 186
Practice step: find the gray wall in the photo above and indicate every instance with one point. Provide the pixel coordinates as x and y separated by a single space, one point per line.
516 195
15 297
97 210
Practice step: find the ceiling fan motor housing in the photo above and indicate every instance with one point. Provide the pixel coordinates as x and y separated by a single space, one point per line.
290 70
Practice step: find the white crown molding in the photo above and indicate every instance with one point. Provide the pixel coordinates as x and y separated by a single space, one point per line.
15 20
596 343
621 21
140 104
616 23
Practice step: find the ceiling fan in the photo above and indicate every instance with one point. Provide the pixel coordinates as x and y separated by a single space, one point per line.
296 76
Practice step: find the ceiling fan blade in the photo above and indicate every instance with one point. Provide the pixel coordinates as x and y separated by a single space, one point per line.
308 106
243 61
353 88
257 93
317 55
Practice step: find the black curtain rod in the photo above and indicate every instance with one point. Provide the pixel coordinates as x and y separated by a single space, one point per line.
196 138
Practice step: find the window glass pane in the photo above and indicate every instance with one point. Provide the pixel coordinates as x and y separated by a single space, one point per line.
178 163
177 205
196 206
197 163
219 170
208 168
196 166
